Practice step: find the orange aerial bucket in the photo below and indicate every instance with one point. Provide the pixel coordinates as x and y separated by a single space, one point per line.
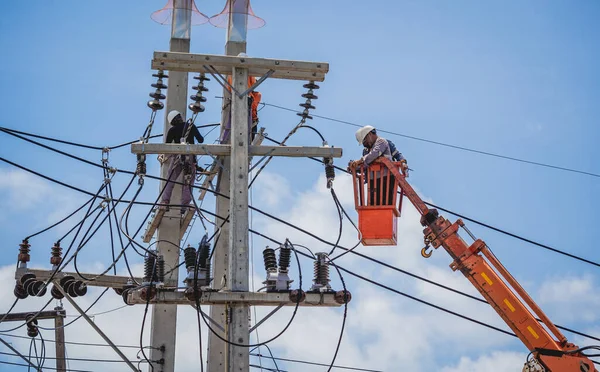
377 203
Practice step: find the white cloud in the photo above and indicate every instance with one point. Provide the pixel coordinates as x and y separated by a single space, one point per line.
577 297
499 361
23 190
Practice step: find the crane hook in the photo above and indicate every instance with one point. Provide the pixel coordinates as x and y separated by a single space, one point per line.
424 252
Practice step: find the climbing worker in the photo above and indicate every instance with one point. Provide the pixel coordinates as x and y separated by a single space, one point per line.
180 132
254 98
374 147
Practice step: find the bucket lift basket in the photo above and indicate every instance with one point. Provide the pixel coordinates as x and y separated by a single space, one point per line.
377 201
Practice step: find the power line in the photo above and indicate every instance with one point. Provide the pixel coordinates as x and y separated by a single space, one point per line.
314 363
446 210
462 148
326 242
470 219
73 342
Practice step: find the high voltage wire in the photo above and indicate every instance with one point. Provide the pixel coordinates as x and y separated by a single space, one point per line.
462 148
379 284
130 172
443 209
290 225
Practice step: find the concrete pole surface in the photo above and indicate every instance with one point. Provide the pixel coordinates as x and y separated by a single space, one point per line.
218 351
164 317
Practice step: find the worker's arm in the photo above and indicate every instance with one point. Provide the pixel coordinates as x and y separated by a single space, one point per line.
379 148
171 136
197 135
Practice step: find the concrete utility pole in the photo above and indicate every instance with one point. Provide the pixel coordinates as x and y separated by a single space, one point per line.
234 45
58 314
164 317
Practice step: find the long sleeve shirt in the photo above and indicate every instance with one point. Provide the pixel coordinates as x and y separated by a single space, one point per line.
380 148
176 132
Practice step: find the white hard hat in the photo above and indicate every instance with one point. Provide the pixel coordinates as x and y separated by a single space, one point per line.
362 133
172 115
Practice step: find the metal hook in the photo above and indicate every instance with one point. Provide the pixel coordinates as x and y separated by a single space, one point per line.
424 252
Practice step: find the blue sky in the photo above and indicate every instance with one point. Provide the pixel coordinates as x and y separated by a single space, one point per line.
515 78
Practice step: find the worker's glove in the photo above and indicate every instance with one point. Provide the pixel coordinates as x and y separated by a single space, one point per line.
404 167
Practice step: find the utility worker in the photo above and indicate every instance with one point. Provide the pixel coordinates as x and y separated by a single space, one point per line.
374 147
254 98
181 132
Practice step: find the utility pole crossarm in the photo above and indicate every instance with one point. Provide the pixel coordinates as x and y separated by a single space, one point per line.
282 69
225 150
327 299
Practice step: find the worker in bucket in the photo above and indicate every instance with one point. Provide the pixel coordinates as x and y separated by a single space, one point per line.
374 147
180 132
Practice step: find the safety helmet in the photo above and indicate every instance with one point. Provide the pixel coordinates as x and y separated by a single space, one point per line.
362 133
172 116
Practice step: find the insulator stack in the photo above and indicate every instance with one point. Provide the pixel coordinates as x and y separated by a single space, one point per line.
155 104
56 293
56 254
72 287
24 256
150 268
189 255
31 286
309 97
160 269
140 169
32 325
270 260
19 291
329 171
198 98
321 280
285 253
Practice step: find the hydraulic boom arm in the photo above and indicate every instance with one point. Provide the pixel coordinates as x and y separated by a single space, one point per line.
479 265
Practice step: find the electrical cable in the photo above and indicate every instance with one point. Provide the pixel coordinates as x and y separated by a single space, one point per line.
530 241
282 143
10 309
24 323
428 303
271 216
79 316
281 332
450 145
59 222
78 343
339 343
317 364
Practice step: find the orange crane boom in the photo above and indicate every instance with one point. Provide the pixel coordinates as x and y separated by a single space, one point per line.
501 290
